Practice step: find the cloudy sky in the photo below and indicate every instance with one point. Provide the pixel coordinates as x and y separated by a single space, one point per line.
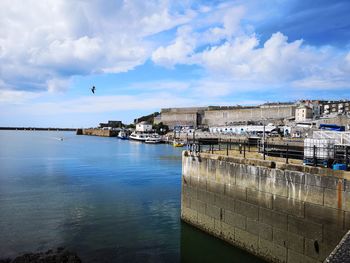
145 55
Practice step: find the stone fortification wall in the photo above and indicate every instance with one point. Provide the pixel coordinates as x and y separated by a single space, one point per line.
280 212
175 119
190 116
223 117
99 132
184 110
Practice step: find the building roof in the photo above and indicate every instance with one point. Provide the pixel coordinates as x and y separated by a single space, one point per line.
144 123
304 106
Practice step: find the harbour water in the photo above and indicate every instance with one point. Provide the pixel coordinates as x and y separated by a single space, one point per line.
107 199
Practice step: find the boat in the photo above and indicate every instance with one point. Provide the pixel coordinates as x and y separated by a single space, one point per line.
178 144
153 138
122 135
139 136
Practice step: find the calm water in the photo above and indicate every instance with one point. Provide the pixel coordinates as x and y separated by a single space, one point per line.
107 199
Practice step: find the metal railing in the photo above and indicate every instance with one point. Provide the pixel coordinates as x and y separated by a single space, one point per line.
313 155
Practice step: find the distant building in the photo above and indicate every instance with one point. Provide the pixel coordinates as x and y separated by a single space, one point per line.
244 129
144 126
340 107
303 113
111 124
315 105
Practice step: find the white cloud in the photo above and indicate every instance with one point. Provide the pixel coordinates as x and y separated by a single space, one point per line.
44 40
57 85
164 85
16 97
243 59
101 104
44 43
177 52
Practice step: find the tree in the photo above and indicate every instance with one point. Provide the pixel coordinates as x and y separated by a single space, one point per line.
161 128
130 126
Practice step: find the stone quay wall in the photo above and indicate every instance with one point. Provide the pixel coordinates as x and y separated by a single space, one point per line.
98 132
279 212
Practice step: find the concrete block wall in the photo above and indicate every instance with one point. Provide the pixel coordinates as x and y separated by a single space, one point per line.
99 132
282 213
173 119
222 117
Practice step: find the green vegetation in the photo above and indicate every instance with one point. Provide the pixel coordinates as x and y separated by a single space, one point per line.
160 128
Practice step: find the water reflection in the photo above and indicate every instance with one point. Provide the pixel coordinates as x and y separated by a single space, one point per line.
196 246
107 199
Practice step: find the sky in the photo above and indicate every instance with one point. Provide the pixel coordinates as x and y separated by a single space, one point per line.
146 55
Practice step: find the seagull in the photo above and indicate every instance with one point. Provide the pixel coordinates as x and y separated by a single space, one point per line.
93 89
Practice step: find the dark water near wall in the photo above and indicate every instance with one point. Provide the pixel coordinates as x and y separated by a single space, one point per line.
107 199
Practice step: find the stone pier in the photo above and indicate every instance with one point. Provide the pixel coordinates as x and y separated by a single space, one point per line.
97 132
279 212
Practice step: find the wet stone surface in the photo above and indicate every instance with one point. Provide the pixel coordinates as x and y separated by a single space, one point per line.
60 255
341 254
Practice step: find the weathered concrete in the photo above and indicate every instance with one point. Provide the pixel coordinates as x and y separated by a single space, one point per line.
341 254
98 132
282 213
182 116
223 116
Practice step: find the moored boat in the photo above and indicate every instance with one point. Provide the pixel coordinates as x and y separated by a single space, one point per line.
178 143
153 138
123 135
139 136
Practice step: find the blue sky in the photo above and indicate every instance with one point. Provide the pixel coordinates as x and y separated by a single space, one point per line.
147 55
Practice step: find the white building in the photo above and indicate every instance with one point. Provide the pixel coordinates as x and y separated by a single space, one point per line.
302 113
243 129
144 126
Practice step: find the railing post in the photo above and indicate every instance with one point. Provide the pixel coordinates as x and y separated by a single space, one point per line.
287 153
212 148
227 148
240 148
244 150
314 156
264 150
346 157
230 144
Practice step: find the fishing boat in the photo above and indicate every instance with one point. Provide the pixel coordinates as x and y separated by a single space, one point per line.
123 135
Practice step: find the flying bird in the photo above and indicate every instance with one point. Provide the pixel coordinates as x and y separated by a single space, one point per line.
93 89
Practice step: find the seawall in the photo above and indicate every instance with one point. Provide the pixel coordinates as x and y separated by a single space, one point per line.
279 212
97 132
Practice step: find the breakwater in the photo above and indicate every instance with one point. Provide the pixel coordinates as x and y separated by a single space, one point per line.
279 212
36 129
97 132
